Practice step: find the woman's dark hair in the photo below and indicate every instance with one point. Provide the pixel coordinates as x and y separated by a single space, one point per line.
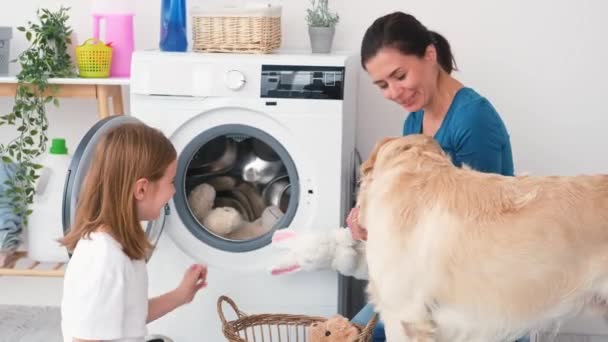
405 33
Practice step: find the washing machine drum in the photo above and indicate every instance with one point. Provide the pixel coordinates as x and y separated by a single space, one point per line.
79 166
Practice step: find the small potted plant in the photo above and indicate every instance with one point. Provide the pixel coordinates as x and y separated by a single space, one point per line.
321 26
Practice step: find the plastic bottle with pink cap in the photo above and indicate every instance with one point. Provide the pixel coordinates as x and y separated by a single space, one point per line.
113 24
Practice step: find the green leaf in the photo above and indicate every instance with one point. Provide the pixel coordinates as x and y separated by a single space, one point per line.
7 159
29 140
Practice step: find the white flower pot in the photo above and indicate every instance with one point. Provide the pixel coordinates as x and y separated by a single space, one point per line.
321 38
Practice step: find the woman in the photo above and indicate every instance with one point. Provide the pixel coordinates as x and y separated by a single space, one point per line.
412 66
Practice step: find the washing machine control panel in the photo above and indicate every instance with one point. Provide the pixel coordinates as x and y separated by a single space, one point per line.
302 82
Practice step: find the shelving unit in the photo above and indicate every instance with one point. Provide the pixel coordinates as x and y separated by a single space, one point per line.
108 95
20 265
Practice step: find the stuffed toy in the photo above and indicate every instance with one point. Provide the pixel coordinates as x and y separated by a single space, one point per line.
221 220
250 230
332 249
226 221
201 200
335 329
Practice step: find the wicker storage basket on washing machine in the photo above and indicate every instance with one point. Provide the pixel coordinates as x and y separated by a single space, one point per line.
275 327
237 30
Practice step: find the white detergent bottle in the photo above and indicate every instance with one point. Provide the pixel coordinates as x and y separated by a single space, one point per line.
44 226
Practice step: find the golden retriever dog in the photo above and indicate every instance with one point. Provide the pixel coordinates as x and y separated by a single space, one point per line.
459 255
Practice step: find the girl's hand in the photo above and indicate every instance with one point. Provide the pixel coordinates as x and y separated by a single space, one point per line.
358 232
194 279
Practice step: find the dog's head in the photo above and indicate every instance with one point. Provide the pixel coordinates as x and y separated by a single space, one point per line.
413 152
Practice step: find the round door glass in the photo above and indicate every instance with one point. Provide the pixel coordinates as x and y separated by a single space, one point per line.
235 185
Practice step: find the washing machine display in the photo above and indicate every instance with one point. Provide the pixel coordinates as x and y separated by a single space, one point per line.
302 82
235 185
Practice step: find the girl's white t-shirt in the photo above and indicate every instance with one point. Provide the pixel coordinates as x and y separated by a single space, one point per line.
105 293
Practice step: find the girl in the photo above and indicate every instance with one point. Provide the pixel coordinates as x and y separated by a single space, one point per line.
105 286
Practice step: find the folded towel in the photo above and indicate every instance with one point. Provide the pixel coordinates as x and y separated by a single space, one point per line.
8 259
10 223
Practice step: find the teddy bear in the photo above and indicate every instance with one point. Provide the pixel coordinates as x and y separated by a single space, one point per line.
222 220
334 329
226 221
262 225
333 249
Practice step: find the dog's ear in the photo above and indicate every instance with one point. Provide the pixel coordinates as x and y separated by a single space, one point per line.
387 149
368 166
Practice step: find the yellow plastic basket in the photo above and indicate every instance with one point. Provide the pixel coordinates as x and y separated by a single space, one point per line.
94 59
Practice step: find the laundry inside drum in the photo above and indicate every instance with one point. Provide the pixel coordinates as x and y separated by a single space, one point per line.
238 187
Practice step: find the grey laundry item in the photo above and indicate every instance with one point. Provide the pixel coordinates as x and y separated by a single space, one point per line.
10 224
568 337
30 323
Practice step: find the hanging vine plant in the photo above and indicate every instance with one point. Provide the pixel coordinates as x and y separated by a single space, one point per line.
47 57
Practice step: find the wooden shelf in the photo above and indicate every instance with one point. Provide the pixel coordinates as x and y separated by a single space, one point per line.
20 265
101 89
77 80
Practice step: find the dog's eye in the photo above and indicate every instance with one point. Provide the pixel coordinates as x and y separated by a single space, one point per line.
327 333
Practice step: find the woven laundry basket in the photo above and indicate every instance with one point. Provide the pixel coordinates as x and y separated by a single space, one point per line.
275 327
237 29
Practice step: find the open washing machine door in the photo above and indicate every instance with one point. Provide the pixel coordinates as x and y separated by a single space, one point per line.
79 165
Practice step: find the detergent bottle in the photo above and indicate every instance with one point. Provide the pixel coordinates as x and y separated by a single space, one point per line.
45 225
173 26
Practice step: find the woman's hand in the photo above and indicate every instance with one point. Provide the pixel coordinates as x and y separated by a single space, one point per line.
358 232
194 279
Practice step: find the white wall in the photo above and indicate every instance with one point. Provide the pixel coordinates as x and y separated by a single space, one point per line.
541 63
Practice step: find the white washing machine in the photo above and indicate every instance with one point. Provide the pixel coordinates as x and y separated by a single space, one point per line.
299 109
227 115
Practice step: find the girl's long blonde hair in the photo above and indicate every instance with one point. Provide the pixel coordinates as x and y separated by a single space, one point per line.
125 154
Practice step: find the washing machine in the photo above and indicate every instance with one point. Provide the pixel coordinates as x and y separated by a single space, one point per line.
274 136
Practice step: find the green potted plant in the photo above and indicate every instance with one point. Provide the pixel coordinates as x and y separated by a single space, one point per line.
47 57
321 26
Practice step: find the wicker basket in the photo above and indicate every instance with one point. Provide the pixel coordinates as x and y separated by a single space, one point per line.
256 30
275 327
